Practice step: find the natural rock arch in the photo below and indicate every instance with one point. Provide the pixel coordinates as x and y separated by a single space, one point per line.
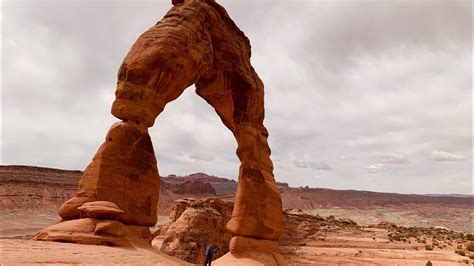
195 43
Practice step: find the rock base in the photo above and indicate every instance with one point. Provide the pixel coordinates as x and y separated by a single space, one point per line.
251 251
94 232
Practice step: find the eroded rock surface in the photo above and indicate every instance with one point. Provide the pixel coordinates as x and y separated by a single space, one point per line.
195 43
97 226
124 172
193 224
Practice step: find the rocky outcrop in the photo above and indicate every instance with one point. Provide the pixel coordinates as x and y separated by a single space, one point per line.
222 186
25 188
124 172
193 224
195 43
31 187
98 225
190 187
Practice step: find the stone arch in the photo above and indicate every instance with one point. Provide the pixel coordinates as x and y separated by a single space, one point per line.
195 43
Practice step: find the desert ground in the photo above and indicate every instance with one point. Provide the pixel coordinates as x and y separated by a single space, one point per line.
422 229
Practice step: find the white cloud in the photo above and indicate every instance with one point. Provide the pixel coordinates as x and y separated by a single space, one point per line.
446 156
374 168
395 158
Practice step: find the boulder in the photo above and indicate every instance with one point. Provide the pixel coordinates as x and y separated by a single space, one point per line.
100 210
95 232
194 224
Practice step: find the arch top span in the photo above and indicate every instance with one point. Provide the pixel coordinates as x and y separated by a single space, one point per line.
196 42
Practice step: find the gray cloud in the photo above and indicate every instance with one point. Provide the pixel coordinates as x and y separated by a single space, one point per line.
395 158
354 78
201 156
300 164
320 166
446 156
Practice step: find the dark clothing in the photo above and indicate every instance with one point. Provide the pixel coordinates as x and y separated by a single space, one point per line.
208 261
209 253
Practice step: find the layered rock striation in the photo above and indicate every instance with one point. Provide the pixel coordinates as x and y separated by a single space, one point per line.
195 43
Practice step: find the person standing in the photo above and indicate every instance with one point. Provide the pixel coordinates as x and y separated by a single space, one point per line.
209 253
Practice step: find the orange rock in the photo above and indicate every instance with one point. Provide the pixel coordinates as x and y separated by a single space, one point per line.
100 210
194 224
251 251
123 172
86 231
195 43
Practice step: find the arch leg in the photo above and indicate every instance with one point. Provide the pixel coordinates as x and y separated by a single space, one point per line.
158 68
238 100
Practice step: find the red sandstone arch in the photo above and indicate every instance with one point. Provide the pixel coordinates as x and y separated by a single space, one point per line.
195 43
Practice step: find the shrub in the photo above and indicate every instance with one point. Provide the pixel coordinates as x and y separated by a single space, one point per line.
460 252
471 256
470 237
428 247
470 246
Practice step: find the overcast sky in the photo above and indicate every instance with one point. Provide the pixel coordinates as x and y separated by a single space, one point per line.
367 95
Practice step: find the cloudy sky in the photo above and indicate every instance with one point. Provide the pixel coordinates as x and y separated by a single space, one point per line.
367 95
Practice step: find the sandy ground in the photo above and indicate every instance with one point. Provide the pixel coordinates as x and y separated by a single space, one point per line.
27 252
329 246
368 246
457 218
373 256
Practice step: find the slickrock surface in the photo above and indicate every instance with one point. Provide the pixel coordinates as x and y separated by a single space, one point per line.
27 252
100 210
97 225
251 251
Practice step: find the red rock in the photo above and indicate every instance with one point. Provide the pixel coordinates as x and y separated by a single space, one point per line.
195 43
124 172
100 210
83 231
194 224
251 251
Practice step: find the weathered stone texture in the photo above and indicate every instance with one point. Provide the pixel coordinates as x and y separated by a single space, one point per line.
193 224
195 43
124 172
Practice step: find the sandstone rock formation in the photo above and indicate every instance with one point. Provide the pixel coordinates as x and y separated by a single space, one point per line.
195 43
190 187
97 226
31 187
222 186
193 224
